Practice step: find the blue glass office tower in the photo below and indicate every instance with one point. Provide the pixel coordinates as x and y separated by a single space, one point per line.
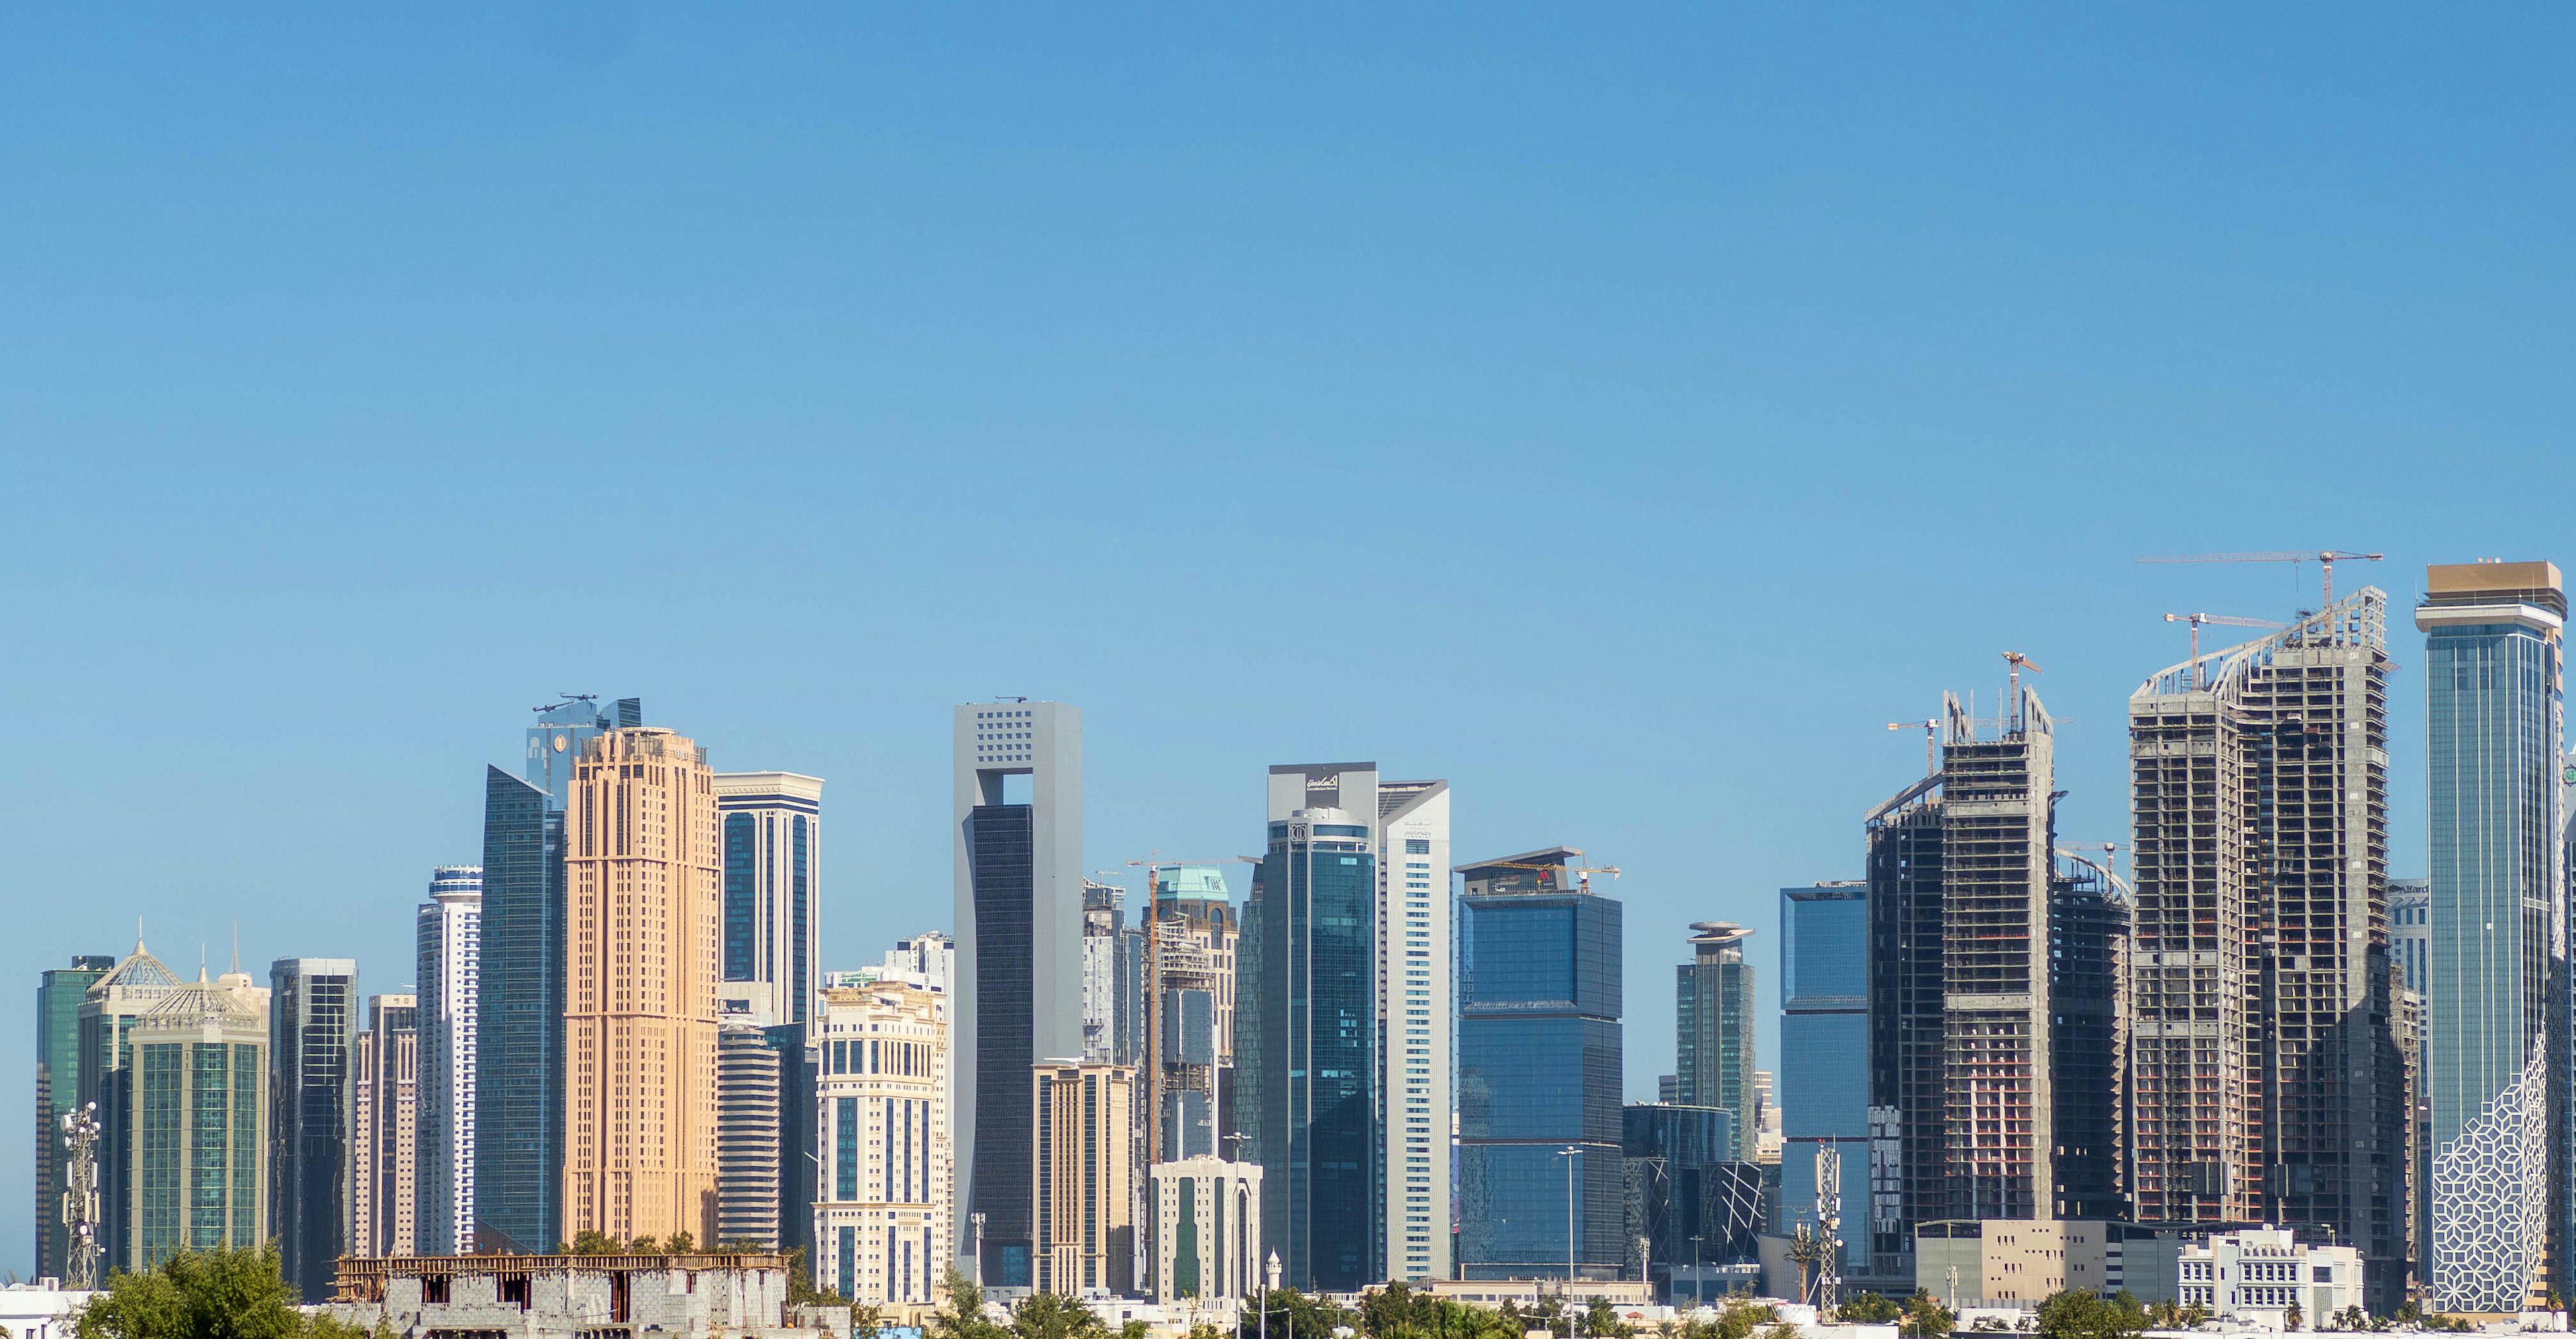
519 1005
1306 1058
313 1019
1824 1042
2494 691
1539 1070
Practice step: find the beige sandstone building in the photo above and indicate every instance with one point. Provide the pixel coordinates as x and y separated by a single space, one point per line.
641 873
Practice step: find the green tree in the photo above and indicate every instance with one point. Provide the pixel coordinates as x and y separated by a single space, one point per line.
644 1246
2081 1314
2294 1318
198 1295
591 1241
866 1321
1926 1318
682 1243
1050 1316
1869 1308
1294 1315
962 1315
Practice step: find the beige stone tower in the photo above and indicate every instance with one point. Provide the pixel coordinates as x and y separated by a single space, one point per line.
641 874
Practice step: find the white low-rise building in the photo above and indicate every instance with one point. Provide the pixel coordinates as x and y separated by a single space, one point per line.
2260 1274
40 1310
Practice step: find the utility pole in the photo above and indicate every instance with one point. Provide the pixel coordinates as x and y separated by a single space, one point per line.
979 1248
1568 1153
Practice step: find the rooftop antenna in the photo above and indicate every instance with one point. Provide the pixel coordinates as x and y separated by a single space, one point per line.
236 948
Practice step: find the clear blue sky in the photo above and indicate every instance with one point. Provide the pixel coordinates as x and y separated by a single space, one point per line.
1622 412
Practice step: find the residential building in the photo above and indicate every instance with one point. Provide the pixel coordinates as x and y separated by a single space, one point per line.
772 904
1824 1027
749 1153
197 1120
882 1083
1961 869
641 867
2088 1039
1018 964
2268 1082
1714 1016
58 1001
1539 1056
447 950
108 1015
1669 1157
519 1056
2262 1275
1417 951
1207 1233
1083 1187
313 1018
2014 1262
1194 938
2496 699
384 1130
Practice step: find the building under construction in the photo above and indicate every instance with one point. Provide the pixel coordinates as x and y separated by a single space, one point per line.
1995 998
2269 1084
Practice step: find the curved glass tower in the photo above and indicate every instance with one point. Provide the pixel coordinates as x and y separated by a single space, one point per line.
2494 694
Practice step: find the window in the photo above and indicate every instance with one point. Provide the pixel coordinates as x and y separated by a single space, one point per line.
1417 846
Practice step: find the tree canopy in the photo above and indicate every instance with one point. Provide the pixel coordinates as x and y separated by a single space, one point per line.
204 1295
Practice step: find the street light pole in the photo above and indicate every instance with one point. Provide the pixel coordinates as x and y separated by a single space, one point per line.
979 1249
1568 1153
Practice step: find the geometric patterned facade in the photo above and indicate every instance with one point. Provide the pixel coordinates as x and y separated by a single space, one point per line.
2489 1201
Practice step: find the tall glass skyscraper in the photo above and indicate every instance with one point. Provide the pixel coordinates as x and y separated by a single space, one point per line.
58 1002
1824 1024
1713 1033
1539 1061
197 1122
448 949
2492 634
771 910
109 1013
313 1019
519 1054
1018 1000
1306 1049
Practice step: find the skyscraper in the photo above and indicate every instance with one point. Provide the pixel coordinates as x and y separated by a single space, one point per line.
519 1099
448 948
1113 1021
2269 1086
1207 1240
384 1130
1824 1024
58 1002
1539 1071
1714 1018
750 1155
1018 1000
2410 939
313 1016
1307 1058
1085 1177
773 894
880 1217
1416 947
2495 692
197 1120
1960 872
641 870
108 1015
1195 937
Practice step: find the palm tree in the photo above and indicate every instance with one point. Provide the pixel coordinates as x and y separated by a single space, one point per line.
1807 1251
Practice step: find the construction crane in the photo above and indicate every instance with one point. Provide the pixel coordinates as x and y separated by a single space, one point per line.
1152 1060
1582 873
1931 741
2325 558
2220 620
2019 662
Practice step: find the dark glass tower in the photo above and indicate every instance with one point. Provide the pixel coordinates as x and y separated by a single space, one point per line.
1307 1064
519 1057
58 1002
312 1019
1539 1060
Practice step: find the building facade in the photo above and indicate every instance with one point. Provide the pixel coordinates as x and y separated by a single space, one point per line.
197 1120
1714 1015
1194 939
1824 1024
882 1101
2269 1086
1307 1068
2495 695
2262 1275
108 1015
1669 1159
384 1130
772 904
313 1022
1018 991
1539 1055
750 1157
1207 1230
1083 1183
1113 978
519 1102
1417 947
447 952
641 872
58 1000
1961 865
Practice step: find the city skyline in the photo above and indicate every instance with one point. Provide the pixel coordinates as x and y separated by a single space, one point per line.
956 359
